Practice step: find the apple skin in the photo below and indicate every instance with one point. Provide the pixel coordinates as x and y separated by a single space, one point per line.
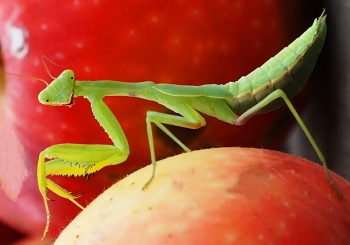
219 196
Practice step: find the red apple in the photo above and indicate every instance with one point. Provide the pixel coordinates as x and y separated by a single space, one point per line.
33 241
182 42
219 196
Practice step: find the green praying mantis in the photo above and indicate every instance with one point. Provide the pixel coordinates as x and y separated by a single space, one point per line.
265 89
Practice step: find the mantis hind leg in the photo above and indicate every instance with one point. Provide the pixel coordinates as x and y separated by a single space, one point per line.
189 119
280 94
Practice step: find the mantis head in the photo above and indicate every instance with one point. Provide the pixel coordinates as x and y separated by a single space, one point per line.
60 91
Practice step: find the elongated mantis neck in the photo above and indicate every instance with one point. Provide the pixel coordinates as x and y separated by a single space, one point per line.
113 88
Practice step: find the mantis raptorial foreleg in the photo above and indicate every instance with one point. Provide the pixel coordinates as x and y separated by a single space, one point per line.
81 159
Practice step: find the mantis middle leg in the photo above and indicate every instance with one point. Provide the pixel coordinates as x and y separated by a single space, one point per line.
189 119
80 159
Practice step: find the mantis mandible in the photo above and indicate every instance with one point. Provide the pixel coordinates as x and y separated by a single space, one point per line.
281 77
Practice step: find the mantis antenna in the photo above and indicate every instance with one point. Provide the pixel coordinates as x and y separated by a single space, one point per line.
35 78
48 72
47 69
43 57
30 77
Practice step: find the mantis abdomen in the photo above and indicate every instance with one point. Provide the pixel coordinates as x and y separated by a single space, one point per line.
288 71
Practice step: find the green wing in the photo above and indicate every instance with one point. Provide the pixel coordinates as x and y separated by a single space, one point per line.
209 90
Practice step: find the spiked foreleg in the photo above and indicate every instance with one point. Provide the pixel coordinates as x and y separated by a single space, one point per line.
79 159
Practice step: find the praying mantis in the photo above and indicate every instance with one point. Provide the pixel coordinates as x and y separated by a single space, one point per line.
266 88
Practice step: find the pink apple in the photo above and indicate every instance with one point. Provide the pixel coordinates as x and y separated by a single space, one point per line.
219 196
